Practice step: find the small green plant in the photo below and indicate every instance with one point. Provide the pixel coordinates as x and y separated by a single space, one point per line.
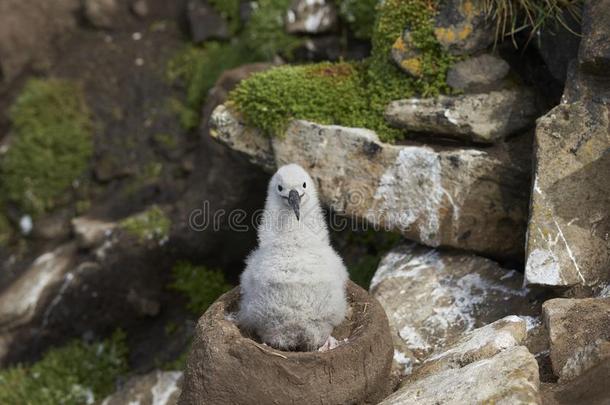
151 224
75 374
229 10
52 144
200 285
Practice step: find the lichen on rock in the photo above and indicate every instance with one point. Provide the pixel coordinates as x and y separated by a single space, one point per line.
148 225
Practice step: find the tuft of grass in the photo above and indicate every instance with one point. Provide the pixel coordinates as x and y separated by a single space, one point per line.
151 224
75 374
350 94
52 144
199 285
359 15
513 16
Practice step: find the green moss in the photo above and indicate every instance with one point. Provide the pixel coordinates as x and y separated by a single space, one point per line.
359 15
51 147
74 374
200 285
375 244
349 94
151 224
229 10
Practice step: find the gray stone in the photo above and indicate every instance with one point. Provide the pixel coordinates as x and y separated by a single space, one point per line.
590 388
484 117
462 197
558 44
90 232
478 73
579 334
24 298
101 13
509 377
432 297
462 27
311 17
155 388
569 229
140 8
479 344
594 52
205 23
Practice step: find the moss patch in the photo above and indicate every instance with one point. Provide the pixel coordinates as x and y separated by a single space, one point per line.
51 147
151 224
350 94
77 373
200 285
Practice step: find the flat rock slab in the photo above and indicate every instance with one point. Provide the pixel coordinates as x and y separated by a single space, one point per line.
483 117
579 334
510 377
569 228
433 298
479 344
155 388
227 367
461 197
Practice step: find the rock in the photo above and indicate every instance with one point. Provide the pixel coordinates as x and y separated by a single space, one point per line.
155 388
575 348
569 238
462 197
462 27
23 299
223 361
477 74
54 226
142 305
590 388
101 13
594 52
484 117
28 31
310 17
558 45
205 23
140 8
510 377
433 297
91 233
479 344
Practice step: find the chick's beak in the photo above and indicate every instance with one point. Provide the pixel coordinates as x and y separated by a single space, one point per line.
294 200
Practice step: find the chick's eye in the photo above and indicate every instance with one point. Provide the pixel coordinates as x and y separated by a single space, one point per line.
280 188
304 185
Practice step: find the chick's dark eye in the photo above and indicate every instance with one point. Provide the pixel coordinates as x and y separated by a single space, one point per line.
304 185
279 188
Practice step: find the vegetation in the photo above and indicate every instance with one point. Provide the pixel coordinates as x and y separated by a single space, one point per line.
77 373
198 67
200 285
375 244
51 146
5 229
148 225
350 94
512 16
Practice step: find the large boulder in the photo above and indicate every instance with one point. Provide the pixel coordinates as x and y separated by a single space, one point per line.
462 197
575 348
484 117
509 377
225 366
433 297
568 232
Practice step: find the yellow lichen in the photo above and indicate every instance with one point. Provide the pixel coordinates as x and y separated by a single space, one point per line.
399 45
412 65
